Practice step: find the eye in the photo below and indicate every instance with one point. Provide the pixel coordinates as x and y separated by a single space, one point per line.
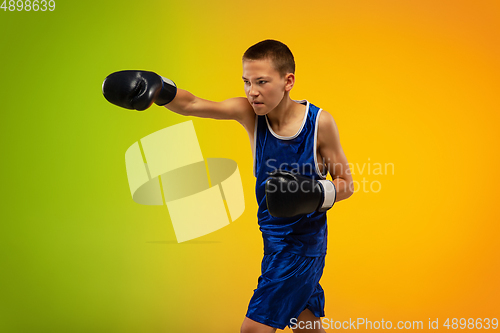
246 81
261 81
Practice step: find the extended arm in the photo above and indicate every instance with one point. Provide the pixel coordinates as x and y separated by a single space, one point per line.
138 90
187 104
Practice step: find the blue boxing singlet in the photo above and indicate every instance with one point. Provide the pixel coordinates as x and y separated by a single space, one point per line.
304 235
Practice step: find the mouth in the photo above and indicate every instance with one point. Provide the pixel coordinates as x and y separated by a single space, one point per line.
257 103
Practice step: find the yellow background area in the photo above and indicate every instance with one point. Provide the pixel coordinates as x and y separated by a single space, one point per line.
412 85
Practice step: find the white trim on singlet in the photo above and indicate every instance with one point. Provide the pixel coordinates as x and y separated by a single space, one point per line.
300 129
315 145
323 176
255 143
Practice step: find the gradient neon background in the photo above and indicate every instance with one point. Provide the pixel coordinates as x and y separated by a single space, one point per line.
410 83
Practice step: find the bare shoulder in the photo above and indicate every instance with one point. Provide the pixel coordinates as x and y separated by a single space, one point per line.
327 128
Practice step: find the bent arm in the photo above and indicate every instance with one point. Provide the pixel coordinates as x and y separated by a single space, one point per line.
334 157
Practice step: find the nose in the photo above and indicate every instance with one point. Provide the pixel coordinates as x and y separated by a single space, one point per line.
252 91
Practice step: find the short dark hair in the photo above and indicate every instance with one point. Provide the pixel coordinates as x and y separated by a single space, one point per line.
279 54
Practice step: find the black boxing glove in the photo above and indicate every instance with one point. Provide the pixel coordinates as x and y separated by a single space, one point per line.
289 194
137 90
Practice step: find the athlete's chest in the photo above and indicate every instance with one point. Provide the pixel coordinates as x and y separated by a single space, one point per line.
286 133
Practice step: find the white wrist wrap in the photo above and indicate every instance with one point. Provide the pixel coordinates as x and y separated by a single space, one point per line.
330 195
168 81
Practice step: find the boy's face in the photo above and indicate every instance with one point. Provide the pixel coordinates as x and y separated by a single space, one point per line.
264 86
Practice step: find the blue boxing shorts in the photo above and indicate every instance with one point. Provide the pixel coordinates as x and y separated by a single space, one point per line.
289 284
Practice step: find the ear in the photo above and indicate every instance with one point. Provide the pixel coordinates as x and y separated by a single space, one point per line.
289 81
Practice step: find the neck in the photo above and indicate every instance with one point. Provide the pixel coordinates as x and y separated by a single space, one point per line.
286 112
